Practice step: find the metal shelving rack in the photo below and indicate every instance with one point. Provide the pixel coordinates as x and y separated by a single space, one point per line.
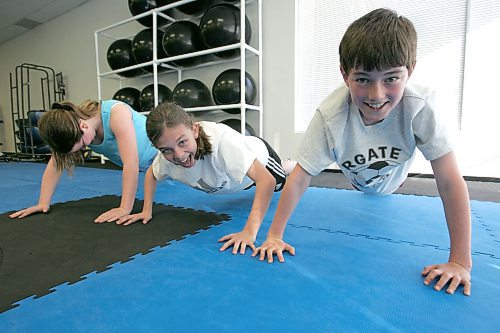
21 96
246 51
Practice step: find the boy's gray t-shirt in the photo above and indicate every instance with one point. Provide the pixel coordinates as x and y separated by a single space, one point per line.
374 158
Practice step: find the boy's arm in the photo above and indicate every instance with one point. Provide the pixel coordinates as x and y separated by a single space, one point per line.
50 180
147 209
295 185
122 125
265 184
455 198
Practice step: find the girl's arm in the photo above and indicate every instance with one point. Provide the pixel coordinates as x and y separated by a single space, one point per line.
455 198
122 127
50 180
265 184
147 209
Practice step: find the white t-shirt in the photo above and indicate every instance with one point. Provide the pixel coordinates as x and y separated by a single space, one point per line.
224 170
375 158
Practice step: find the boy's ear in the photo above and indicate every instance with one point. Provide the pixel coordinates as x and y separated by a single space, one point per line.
345 76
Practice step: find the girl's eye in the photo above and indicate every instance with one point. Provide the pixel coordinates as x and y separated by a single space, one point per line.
165 151
182 143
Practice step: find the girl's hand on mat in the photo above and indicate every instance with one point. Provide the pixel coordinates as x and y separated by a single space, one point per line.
30 210
239 240
129 219
112 215
451 272
271 246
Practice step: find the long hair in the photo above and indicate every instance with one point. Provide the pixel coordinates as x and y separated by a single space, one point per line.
168 115
60 129
379 40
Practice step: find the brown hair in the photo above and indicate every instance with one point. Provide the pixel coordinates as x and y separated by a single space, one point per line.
167 115
60 129
379 40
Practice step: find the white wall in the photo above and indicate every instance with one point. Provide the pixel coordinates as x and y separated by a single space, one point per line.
279 78
67 45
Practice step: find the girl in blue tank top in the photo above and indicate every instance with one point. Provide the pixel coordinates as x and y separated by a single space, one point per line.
111 128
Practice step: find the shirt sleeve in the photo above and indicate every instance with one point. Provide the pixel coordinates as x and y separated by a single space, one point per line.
159 167
432 137
234 155
314 153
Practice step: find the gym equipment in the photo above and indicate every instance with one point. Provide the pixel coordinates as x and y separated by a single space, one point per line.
147 99
22 124
137 7
26 110
119 56
33 136
34 116
222 14
226 89
39 150
192 93
142 48
30 135
129 96
220 25
194 8
236 125
183 37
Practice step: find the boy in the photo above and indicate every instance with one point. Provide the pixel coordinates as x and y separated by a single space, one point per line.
376 119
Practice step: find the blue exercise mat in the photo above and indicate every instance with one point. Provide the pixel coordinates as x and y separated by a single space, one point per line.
357 269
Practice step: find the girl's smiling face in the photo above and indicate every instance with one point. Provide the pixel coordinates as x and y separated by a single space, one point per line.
376 93
178 144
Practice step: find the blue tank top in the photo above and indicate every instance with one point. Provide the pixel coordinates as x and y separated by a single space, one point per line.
109 145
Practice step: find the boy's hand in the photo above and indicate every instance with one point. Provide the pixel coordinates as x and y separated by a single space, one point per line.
112 215
30 210
129 219
451 272
271 246
239 240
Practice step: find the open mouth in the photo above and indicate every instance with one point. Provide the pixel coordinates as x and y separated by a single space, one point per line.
186 163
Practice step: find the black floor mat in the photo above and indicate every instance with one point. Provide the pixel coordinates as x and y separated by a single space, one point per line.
45 250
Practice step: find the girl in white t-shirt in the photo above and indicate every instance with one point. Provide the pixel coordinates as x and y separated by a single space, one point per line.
213 158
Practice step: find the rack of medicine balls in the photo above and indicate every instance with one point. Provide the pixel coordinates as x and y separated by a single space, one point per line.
185 35
33 89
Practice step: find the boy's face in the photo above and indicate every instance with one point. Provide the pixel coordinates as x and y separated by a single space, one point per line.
178 144
376 93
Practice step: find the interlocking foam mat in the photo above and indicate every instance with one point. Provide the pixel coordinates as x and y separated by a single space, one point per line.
45 250
357 268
